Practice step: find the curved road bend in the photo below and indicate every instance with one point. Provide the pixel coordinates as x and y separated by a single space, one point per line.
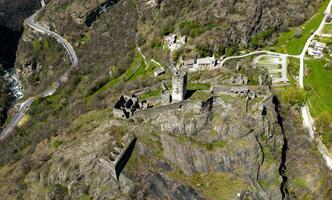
26 105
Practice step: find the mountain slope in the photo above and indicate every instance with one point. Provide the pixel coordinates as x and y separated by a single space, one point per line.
180 152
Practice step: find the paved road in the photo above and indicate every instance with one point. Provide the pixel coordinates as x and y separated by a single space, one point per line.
26 105
61 40
17 118
308 121
254 53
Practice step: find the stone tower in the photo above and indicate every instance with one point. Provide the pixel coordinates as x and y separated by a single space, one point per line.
179 86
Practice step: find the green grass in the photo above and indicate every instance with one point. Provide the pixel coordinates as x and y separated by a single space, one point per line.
198 86
86 38
318 84
91 119
84 197
216 186
134 70
137 69
220 144
319 80
56 143
288 43
293 68
210 146
153 93
300 183
327 29
200 95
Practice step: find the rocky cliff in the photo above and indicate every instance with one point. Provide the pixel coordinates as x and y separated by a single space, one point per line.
224 147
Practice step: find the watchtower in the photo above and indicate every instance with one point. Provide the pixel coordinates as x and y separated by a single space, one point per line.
179 86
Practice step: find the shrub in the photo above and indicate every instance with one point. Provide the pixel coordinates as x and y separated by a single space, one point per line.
294 96
221 51
230 51
204 50
167 28
324 122
328 66
191 28
258 40
56 144
156 43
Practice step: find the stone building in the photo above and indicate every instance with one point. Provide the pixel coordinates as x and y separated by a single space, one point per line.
174 42
200 64
207 63
126 106
179 86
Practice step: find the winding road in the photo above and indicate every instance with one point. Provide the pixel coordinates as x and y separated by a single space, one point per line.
24 107
307 119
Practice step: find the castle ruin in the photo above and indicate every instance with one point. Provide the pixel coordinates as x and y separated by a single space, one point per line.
179 86
126 106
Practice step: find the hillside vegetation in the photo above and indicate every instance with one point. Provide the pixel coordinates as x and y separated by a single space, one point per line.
54 153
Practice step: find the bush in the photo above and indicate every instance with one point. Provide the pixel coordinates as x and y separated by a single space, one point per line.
167 28
204 50
259 39
324 122
156 43
56 144
294 96
191 28
328 66
230 51
221 51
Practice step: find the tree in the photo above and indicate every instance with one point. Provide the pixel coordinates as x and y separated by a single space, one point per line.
221 51
204 50
191 28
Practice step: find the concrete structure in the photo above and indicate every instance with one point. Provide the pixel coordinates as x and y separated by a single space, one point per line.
159 72
174 42
126 106
179 86
119 157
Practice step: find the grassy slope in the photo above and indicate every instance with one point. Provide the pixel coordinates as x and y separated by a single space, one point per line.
213 185
320 80
137 69
288 43
320 95
327 29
